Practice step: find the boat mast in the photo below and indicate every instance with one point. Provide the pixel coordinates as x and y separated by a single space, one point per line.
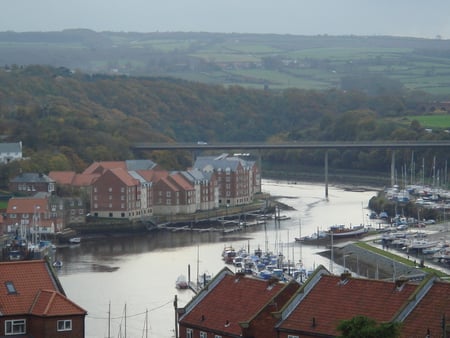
109 320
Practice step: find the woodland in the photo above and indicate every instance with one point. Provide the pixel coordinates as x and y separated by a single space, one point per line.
68 117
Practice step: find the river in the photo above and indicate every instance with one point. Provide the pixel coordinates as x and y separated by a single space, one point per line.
127 284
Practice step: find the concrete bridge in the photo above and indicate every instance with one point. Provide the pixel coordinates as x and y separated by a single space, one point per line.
326 145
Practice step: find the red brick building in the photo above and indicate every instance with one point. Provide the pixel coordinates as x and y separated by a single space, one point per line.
116 194
237 179
234 305
41 214
33 303
238 306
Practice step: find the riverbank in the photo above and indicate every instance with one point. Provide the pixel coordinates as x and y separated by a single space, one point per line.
369 259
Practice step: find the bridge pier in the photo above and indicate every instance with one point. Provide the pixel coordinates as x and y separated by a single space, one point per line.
326 174
393 168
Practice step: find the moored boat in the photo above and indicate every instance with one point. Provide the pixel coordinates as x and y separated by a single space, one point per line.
75 240
419 244
58 264
181 282
343 231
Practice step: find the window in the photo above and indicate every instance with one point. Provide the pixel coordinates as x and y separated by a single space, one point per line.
16 326
203 334
291 336
10 287
189 333
64 325
217 336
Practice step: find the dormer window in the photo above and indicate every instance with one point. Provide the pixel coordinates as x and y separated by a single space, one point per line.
10 287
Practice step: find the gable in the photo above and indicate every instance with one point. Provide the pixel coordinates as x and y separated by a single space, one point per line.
101 167
27 278
52 303
430 313
62 177
345 299
233 300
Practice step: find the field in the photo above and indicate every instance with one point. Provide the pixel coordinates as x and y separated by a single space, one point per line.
249 60
437 121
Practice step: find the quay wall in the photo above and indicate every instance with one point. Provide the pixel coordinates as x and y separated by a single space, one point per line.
371 264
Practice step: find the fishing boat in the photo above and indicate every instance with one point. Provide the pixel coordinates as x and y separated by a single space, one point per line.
341 231
319 236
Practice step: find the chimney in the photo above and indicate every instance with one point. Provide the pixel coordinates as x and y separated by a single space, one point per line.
345 276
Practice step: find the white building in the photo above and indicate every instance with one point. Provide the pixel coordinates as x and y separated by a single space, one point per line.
10 152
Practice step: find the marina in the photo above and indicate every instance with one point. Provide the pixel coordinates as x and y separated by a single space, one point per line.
141 271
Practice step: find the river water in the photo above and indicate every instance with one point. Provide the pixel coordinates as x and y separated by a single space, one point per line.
127 284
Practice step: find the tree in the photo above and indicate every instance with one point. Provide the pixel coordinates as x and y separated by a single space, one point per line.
364 327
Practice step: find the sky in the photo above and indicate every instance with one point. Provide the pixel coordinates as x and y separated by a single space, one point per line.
413 18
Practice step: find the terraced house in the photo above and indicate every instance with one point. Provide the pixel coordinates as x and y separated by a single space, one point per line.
140 188
235 305
34 304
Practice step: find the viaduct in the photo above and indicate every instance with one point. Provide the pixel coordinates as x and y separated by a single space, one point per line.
260 146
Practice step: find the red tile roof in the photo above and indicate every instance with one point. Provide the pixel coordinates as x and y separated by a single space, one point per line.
62 177
101 167
332 300
29 205
126 178
429 313
52 303
232 300
71 178
182 181
84 180
36 290
153 175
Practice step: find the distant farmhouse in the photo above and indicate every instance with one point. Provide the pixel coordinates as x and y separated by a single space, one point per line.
10 152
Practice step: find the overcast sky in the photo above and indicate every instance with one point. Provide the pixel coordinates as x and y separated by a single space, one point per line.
417 18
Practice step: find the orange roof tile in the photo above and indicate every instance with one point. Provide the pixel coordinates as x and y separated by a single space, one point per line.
332 300
62 177
232 300
52 303
101 167
28 279
152 175
84 180
28 205
429 313
124 176
182 181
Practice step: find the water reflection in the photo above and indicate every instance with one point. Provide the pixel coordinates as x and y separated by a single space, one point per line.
140 271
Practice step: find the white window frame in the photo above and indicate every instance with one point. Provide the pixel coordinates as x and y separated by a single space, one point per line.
64 325
203 334
15 327
291 336
189 333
